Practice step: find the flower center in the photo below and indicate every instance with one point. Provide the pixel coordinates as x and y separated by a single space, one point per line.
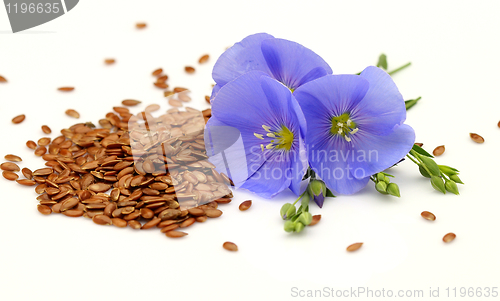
344 126
280 139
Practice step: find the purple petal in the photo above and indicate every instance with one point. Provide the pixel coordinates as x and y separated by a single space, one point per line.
377 153
293 64
215 90
319 200
382 109
299 165
240 58
337 94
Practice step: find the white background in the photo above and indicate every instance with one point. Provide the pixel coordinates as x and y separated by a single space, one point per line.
454 50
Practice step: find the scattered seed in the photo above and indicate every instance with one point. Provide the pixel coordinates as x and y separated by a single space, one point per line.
43 209
187 222
175 234
120 223
46 129
476 138
498 124
66 89
152 108
44 141
449 237
203 59
201 219
40 151
18 119
315 219
160 85
26 182
109 61
13 158
9 175
189 69
140 25
175 102
72 113
3 79
134 224
245 205
27 173
207 99
155 221
213 212
438 151
102 219
31 144
230 246
179 89
157 72
354 247
428 215
130 102
9 166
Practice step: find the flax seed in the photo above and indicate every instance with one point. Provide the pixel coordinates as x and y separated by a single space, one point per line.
245 205
428 215
230 246
130 102
66 89
18 119
354 247
140 25
109 61
476 138
438 151
73 113
189 69
203 59
449 237
46 129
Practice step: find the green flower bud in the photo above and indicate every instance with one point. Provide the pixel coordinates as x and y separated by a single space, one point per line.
451 187
289 226
305 218
438 184
381 177
431 165
287 211
456 179
305 200
381 187
393 189
449 171
316 187
387 180
299 227
423 172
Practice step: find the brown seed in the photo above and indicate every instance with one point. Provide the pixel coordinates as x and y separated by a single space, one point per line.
213 212
46 129
155 221
13 158
31 144
120 223
43 209
230 246
449 237
203 59
428 215
44 141
40 151
179 89
73 212
196 211
419 144
3 79
152 108
9 175
18 119
498 124
189 69
187 222
438 151
9 166
315 220
130 102
147 213
168 227
43 171
27 173
201 219
69 204
175 234
66 89
73 113
140 25
354 247
245 205
207 99
26 182
175 102
99 187
157 72
476 138
134 224
102 219
109 61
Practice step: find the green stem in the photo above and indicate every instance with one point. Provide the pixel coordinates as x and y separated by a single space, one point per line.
412 159
399 69
416 155
300 196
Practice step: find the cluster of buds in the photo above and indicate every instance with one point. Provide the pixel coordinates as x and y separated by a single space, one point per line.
383 184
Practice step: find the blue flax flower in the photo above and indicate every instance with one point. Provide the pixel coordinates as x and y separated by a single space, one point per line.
288 62
355 127
255 135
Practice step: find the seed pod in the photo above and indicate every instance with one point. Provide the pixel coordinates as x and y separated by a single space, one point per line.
438 151
230 246
476 138
245 205
354 247
428 215
449 237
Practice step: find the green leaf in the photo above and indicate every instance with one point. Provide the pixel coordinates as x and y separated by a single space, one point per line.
410 103
382 61
329 193
421 151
